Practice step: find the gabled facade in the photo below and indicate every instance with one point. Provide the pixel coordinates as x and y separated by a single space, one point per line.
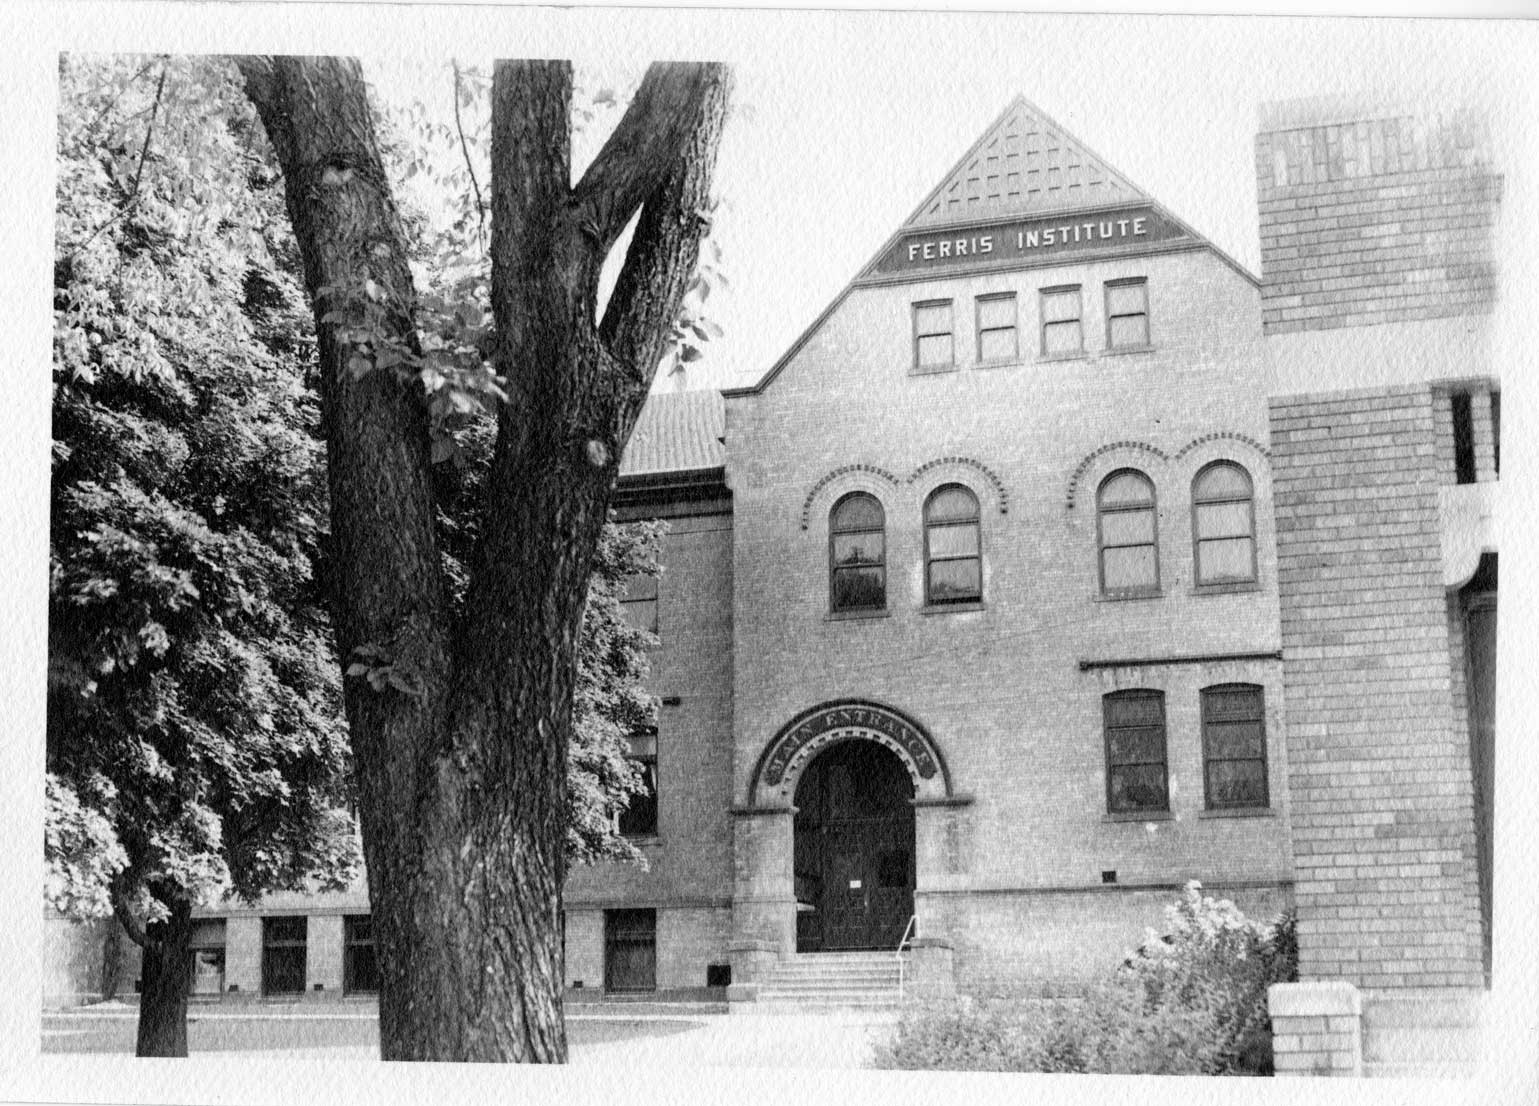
1045 398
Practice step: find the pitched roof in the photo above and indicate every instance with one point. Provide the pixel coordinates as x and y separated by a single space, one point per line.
1025 164
677 432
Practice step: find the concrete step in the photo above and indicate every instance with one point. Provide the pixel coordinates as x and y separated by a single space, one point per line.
814 991
1421 1045
851 975
1424 1008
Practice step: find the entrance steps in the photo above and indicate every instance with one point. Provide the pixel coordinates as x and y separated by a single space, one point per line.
1423 1033
831 982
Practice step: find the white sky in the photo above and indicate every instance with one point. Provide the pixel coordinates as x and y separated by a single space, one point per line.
838 135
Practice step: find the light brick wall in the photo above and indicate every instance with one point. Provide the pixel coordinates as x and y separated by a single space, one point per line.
1316 1028
323 955
243 955
1000 689
1378 759
688 868
585 948
688 941
1025 938
1371 217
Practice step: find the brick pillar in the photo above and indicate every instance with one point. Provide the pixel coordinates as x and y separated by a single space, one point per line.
243 957
1483 434
323 956
1316 1028
763 892
1378 766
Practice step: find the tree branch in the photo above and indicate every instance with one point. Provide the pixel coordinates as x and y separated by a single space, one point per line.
126 917
643 148
469 168
144 152
666 246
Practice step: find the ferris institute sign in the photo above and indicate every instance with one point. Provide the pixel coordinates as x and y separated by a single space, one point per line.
1028 240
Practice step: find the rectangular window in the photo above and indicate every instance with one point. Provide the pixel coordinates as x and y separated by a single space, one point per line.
207 944
630 950
639 818
283 955
1135 752
1127 314
639 601
1062 335
360 966
996 328
1234 746
933 344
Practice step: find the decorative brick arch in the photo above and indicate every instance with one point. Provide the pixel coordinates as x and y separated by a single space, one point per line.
1001 497
831 477
780 766
1095 455
1222 435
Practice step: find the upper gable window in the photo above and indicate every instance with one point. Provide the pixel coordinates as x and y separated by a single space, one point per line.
934 344
953 558
1125 527
1062 333
857 554
1127 314
1224 525
996 328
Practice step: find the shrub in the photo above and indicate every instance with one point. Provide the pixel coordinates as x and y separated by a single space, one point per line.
1191 1001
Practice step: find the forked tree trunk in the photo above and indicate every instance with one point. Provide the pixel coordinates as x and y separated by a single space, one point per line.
462 781
166 975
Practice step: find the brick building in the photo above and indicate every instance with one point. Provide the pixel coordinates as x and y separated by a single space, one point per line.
1049 569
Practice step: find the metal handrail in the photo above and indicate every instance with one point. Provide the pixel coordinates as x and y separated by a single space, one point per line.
913 920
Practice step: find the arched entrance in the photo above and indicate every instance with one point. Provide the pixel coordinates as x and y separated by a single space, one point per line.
853 848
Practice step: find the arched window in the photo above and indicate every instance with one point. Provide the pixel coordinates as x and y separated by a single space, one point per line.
953 562
1125 531
1223 525
857 554
1136 778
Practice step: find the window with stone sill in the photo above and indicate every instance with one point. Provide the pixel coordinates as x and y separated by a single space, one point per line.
1234 747
1223 526
1136 776
1062 332
997 341
1127 535
857 555
1127 314
953 555
934 337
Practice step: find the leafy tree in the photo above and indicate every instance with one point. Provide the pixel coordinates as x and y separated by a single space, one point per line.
195 739
462 751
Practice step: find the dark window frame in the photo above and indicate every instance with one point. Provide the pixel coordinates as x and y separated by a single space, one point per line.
1128 282
352 947
1207 696
1197 539
950 332
1043 295
1153 507
284 946
1014 328
834 567
635 926
1149 695
977 524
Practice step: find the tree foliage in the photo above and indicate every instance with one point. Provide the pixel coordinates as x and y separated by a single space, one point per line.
194 707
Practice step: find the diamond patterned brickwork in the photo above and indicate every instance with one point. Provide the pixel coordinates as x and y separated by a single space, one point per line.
1026 163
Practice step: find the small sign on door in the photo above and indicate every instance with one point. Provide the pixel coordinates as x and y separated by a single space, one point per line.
854 885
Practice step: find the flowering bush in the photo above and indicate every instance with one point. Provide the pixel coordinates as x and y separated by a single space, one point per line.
1191 1001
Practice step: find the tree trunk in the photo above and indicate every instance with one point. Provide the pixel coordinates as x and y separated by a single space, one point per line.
166 976
462 782
112 959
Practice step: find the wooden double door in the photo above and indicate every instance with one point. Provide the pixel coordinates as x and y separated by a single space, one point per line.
854 850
